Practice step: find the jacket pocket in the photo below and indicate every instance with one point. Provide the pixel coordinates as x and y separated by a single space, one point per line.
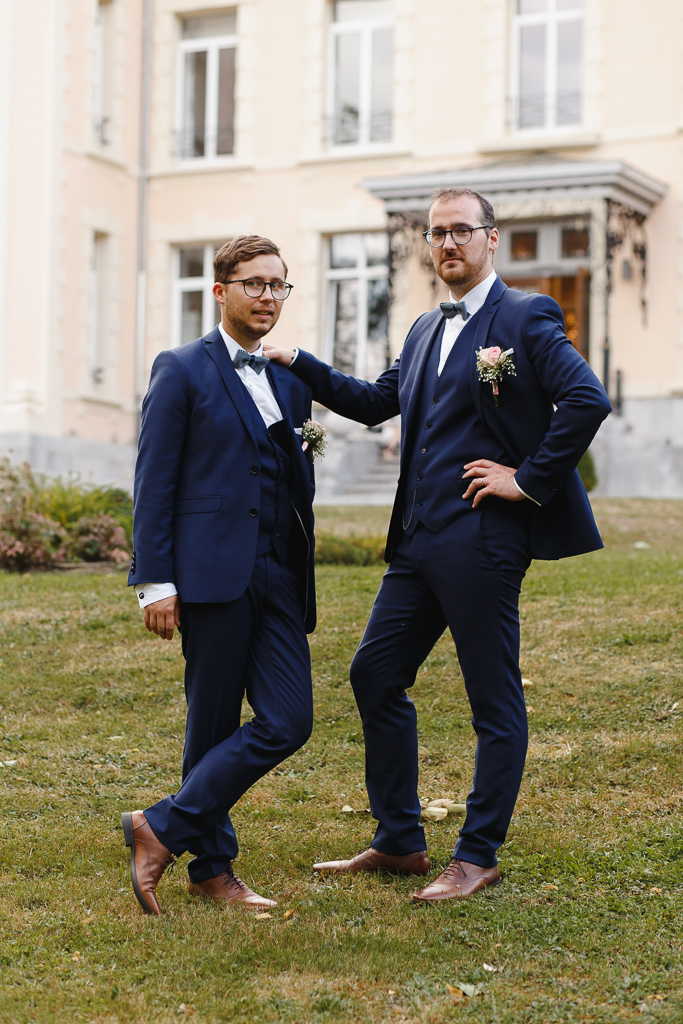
208 503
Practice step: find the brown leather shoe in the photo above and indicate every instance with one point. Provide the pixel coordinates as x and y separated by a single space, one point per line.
227 886
149 858
458 881
372 860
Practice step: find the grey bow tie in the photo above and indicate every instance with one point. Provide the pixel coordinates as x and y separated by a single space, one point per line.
449 309
242 358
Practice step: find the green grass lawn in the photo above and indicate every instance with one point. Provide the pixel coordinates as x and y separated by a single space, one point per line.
586 927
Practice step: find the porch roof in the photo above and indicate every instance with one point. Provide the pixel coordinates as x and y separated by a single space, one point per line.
548 180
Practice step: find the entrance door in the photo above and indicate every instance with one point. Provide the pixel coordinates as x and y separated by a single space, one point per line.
572 293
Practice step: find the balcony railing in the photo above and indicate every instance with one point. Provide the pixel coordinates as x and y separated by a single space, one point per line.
195 144
348 128
544 111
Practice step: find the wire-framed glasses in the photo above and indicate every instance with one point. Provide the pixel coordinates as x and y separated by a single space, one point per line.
436 237
254 287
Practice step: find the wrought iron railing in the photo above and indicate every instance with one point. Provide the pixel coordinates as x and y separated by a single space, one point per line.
192 144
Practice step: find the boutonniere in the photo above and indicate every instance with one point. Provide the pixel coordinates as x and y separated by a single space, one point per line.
314 436
492 366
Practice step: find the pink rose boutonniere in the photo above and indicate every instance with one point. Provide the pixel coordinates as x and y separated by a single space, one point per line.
492 365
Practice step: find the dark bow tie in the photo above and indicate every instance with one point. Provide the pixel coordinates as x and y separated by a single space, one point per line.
449 309
242 358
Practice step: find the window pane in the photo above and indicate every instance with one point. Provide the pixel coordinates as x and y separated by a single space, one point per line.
574 243
191 263
532 76
382 85
194 106
569 72
523 245
531 6
377 348
362 10
226 101
344 251
345 325
347 88
191 317
569 5
210 25
376 245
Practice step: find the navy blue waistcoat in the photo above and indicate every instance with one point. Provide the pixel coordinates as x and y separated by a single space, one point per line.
275 513
451 434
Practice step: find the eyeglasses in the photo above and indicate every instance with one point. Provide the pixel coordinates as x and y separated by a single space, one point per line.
461 236
254 287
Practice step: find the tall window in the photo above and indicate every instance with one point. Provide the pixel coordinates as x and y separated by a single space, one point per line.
207 86
358 303
362 61
103 71
196 310
547 63
97 325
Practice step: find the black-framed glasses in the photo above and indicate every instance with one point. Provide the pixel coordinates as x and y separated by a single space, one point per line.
254 287
436 237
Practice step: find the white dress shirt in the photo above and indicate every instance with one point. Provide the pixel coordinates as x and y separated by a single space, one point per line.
474 300
259 387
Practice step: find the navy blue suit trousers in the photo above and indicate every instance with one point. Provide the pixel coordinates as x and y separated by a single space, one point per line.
467 578
256 647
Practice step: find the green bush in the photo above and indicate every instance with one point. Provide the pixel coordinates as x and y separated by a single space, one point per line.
352 550
587 471
44 522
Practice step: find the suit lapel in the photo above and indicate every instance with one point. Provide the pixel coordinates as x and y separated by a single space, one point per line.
480 340
216 350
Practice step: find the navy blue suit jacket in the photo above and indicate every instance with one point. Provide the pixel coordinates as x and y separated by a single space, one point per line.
543 443
197 479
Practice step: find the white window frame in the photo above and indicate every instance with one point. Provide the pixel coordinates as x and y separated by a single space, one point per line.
102 43
365 27
551 18
212 45
363 274
202 284
97 324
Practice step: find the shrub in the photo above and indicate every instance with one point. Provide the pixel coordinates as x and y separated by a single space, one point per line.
587 471
97 539
352 550
27 537
67 501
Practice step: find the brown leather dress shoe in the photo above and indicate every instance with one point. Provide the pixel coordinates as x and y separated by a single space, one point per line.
149 858
372 860
227 886
458 881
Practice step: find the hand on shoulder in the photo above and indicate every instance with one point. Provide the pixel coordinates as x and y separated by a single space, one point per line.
282 356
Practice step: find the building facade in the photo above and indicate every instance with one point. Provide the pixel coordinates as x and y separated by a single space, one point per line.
151 131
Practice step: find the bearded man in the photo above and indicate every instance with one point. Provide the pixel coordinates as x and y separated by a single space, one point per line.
496 408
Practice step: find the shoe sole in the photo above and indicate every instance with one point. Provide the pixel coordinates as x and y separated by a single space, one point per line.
129 836
372 871
443 899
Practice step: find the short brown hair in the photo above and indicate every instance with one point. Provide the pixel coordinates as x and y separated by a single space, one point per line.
488 214
241 250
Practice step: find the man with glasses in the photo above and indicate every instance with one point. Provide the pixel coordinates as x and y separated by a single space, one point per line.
223 550
488 481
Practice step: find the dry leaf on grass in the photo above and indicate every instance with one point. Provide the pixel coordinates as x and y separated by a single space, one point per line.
434 813
346 809
261 917
457 993
489 967
527 682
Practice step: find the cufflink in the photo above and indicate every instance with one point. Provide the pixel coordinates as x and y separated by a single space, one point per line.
141 597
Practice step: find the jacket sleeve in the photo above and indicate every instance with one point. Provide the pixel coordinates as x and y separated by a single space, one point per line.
165 411
369 403
581 403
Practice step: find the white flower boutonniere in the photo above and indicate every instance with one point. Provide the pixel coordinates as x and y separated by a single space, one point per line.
492 365
314 436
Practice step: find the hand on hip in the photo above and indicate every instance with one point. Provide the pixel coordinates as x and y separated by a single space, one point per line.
489 478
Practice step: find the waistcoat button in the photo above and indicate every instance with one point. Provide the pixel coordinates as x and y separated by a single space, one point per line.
254 470
253 513
428 424
423 451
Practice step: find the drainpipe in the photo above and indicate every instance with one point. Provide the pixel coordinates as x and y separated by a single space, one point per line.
609 241
142 208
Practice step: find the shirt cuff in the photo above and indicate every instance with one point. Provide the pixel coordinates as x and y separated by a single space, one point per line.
514 480
149 593
295 356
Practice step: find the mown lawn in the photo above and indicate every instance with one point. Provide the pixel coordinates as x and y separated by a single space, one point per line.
586 927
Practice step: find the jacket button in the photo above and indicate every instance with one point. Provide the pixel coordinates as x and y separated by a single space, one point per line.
428 424
254 470
435 401
420 504
253 513
423 451
419 476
